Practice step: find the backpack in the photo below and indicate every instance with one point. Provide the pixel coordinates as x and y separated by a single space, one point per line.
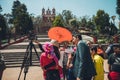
116 63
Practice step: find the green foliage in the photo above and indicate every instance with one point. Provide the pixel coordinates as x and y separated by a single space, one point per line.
58 21
102 41
101 21
118 10
118 7
3 27
112 29
74 24
90 25
83 21
0 9
67 15
21 19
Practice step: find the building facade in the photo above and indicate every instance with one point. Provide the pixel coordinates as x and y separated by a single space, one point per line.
48 17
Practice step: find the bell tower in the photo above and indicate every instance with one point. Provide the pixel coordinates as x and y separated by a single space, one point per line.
53 11
43 11
48 17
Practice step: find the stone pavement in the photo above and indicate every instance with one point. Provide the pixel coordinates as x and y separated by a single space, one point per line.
34 73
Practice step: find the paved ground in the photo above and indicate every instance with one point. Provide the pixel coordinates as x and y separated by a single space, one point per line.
34 73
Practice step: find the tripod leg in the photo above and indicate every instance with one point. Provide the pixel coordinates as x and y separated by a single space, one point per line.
25 57
26 68
36 52
30 54
25 76
20 74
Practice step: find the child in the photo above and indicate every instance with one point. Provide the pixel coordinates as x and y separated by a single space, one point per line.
98 62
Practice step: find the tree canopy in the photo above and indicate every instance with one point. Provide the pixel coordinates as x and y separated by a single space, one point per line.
101 21
58 21
21 19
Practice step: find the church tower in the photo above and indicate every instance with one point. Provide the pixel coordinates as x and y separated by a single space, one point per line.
48 17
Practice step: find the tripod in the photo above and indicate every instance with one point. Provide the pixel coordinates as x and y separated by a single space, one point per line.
28 59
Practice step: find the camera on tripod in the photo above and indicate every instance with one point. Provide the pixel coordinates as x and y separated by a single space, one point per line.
27 61
32 35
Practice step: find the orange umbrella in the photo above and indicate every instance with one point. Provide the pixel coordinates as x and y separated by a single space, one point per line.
60 34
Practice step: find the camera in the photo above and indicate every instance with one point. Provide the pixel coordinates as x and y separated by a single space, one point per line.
32 35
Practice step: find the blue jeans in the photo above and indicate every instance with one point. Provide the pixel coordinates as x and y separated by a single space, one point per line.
70 75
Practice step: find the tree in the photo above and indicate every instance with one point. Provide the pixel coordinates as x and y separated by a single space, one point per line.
118 10
90 24
21 18
58 21
15 7
3 27
112 29
101 21
0 9
74 24
83 21
67 15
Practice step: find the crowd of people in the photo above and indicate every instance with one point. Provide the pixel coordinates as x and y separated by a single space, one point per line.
78 60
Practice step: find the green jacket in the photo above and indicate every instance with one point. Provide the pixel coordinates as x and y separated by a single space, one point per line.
83 64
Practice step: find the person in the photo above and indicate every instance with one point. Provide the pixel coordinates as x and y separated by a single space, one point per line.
2 66
64 58
67 54
109 49
55 46
114 64
89 43
47 59
70 63
98 63
83 66
100 51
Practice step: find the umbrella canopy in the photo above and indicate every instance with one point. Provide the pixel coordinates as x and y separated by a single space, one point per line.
60 34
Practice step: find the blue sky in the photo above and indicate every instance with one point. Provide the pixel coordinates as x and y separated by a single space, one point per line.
78 7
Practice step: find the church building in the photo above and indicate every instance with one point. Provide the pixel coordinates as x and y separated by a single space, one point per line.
48 17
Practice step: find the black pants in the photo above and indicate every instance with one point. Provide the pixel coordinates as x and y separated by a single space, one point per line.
1 73
52 75
65 72
86 78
